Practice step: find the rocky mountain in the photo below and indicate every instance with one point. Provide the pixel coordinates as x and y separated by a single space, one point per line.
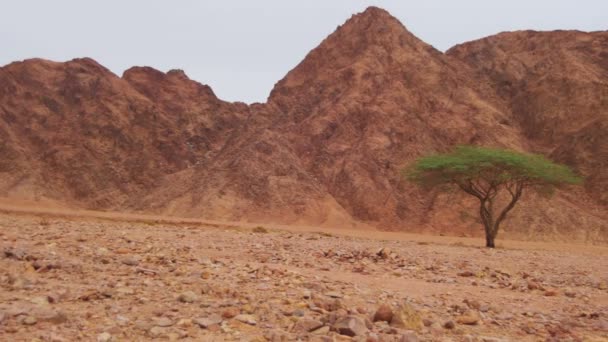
78 133
556 87
328 146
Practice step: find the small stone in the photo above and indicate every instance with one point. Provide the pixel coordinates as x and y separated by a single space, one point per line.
260 230
334 294
143 325
130 261
57 338
409 336
122 320
533 285
30 320
104 337
163 322
125 291
248 308
350 326
187 297
492 339
52 316
383 314
449 325
207 322
328 304
304 325
551 293
184 322
42 300
156 331
466 274
383 253
473 304
570 293
324 330
230 313
406 317
469 318
601 326
247 319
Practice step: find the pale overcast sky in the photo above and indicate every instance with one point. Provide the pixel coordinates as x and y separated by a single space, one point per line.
241 48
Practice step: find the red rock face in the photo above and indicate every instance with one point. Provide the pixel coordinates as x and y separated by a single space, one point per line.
555 85
328 146
76 132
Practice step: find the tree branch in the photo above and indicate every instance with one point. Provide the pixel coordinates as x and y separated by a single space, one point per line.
515 195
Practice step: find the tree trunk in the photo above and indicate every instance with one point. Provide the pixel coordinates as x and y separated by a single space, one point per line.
490 240
487 220
491 223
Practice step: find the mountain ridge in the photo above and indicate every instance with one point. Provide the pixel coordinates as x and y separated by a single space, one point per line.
327 146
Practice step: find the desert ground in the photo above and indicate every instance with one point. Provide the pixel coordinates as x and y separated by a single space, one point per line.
92 276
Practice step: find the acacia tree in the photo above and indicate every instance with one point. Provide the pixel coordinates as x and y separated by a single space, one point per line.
490 174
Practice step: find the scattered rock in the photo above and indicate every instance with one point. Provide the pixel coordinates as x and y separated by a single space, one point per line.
551 293
408 336
449 325
207 322
40 300
30 320
230 313
247 319
384 253
384 313
307 325
51 316
130 261
532 285
328 304
163 322
260 230
334 294
350 326
187 297
157 331
324 330
470 317
104 337
406 317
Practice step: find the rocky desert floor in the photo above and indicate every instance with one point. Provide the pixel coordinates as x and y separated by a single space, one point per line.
79 278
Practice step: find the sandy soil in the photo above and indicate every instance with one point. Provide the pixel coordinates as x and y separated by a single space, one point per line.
76 275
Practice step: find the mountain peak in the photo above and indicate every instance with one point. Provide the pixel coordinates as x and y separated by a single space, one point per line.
372 42
375 11
377 20
147 79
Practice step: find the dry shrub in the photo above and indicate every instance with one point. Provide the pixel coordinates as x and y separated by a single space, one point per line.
260 229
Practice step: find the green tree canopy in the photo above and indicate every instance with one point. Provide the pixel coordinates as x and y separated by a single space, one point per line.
486 172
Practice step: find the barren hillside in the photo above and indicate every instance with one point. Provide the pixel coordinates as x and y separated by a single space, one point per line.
556 86
328 146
